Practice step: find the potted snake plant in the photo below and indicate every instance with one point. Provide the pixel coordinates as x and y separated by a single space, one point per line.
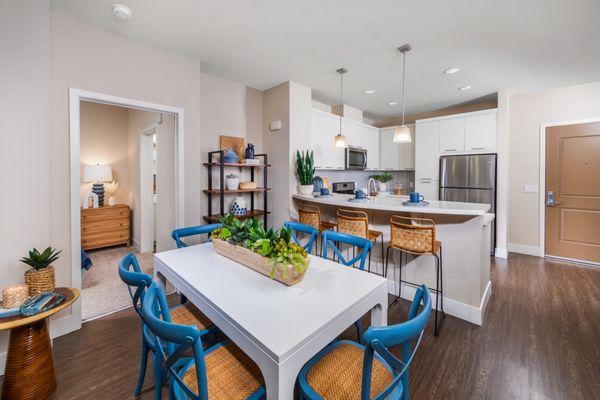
305 171
40 277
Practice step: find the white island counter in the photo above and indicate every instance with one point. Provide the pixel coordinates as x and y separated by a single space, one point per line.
463 229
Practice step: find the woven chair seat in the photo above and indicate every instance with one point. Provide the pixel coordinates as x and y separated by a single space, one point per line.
327 226
230 373
187 314
374 234
338 373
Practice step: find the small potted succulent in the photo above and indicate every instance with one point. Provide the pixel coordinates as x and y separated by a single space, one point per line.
306 171
40 277
382 180
233 182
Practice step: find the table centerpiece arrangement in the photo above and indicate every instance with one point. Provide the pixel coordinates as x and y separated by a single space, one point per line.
269 252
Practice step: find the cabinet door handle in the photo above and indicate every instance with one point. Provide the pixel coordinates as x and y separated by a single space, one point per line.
477 148
450 150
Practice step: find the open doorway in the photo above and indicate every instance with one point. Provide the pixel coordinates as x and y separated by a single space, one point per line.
136 150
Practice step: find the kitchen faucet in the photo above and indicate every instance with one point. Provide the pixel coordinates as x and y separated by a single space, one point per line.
374 191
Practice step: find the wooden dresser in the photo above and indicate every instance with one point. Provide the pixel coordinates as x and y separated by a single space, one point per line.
105 226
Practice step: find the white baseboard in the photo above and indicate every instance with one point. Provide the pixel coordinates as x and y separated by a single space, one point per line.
58 327
525 249
500 253
136 245
452 307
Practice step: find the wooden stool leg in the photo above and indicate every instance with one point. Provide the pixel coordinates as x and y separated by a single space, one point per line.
29 372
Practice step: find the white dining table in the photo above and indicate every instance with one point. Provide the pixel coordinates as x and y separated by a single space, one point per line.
280 327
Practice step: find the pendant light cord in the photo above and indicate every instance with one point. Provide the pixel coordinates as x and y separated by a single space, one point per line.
403 75
341 98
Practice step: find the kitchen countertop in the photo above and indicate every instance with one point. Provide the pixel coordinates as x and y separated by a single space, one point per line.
394 203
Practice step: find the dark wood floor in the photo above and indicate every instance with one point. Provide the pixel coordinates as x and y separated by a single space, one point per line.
540 340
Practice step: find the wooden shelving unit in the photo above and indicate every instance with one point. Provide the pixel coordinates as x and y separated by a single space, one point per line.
219 166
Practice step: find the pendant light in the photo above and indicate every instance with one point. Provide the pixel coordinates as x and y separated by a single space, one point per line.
340 139
402 133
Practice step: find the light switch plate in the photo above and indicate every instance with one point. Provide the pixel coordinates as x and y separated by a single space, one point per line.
530 188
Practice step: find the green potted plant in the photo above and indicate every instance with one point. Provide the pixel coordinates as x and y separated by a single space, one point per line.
382 180
305 171
40 277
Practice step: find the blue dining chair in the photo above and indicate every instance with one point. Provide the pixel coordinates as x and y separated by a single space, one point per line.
345 368
232 371
296 227
332 239
137 283
177 234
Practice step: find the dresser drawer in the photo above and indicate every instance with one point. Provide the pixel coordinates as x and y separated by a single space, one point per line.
101 214
96 240
107 225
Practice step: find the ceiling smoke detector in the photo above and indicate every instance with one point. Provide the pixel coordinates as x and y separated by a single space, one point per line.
122 12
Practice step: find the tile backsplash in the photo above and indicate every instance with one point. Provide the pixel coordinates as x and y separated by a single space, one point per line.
406 178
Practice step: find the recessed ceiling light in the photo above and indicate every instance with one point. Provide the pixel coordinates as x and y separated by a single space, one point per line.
393 103
370 91
122 12
464 88
452 70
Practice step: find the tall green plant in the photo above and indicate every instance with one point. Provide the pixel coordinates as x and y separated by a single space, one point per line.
305 168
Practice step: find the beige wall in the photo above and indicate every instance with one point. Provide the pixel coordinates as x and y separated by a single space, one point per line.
24 140
527 112
85 57
229 108
103 140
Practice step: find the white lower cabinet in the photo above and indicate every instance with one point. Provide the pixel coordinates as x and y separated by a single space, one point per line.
428 189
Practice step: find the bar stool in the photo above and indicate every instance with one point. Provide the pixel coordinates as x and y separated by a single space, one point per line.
417 236
356 223
311 215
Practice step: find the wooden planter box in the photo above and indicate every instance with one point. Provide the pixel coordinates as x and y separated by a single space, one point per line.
256 262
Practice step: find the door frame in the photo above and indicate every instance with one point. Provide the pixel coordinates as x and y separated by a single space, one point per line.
147 210
542 181
75 98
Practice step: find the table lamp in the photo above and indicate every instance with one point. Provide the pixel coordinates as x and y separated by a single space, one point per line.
97 174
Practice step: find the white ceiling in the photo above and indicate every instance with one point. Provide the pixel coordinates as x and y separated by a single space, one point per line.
522 45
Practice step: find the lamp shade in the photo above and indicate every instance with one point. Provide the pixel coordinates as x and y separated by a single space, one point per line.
97 173
402 135
340 140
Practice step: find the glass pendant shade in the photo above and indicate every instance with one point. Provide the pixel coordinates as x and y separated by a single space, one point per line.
340 140
402 135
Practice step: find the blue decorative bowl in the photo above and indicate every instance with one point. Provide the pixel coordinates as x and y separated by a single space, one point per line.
230 157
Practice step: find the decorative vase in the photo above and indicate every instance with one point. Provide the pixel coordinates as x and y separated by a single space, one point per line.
40 280
317 184
306 189
230 157
233 183
239 206
249 151
382 187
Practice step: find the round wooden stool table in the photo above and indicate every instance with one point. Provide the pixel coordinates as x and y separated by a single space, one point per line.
29 372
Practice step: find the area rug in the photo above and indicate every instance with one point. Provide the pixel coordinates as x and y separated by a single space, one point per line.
103 291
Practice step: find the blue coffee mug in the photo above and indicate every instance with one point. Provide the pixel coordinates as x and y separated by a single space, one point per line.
415 197
359 194
324 191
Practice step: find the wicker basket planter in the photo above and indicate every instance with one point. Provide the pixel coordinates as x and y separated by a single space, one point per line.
257 262
40 280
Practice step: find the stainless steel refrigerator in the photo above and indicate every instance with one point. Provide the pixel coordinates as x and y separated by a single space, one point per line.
470 179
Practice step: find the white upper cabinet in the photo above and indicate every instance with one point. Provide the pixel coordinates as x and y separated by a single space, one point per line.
371 135
480 132
452 135
396 156
427 145
324 127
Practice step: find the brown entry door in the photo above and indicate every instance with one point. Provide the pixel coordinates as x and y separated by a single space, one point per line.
573 192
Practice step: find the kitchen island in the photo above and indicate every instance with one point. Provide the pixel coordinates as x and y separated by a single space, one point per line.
463 229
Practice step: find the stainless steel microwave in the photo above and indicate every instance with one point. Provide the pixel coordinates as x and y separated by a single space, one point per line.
356 158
